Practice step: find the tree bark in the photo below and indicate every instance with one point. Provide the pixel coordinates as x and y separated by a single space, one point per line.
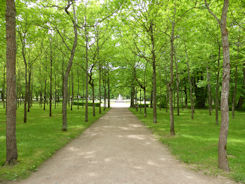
55 92
29 96
99 87
93 100
132 94
217 91
11 146
190 84
45 94
86 93
209 93
72 89
22 39
136 100
108 89
151 29
177 82
78 82
26 95
50 80
186 97
104 85
222 153
68 69
172 131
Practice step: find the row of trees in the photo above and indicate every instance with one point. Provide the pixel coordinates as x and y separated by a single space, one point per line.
168 53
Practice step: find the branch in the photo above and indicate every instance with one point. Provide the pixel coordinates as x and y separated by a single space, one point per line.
106 17
210 11
142 56
63 40
236 21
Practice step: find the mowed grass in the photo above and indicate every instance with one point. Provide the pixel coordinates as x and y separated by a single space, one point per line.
40 137
196 140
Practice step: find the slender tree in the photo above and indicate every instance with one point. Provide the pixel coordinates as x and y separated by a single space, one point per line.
222 153
68 68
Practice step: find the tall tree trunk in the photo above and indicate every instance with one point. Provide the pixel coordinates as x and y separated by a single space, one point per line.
93 100
11 146
83 91
63 75
190 84
72 89
186 97
177 82
86 94
78 82
222 153
154 80
29 90
23 40
217 91
136 100
68 69
145 112
26 94
172 131
223 161
50 80
132 96
99 87
166 97
140 100
69 92
98 58
45 93
55 92
41 97
108 89
104 85
209 93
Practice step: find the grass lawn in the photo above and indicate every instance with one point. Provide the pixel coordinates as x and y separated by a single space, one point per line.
196 140
40 137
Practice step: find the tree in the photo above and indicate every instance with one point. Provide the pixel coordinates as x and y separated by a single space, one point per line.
68 68
222 154
11 147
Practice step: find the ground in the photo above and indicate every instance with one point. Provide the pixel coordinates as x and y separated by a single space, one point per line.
117 149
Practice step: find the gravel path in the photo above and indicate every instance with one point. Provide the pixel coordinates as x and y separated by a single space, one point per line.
117 149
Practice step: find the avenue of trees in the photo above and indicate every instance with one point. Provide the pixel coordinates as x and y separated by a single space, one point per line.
160 54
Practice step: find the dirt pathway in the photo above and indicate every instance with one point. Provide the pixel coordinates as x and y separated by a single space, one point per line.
117 149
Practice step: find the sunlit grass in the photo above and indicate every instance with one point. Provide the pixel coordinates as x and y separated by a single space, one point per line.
40 137
196 140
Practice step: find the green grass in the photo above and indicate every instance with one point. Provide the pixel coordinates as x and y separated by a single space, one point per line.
196 140
39 138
